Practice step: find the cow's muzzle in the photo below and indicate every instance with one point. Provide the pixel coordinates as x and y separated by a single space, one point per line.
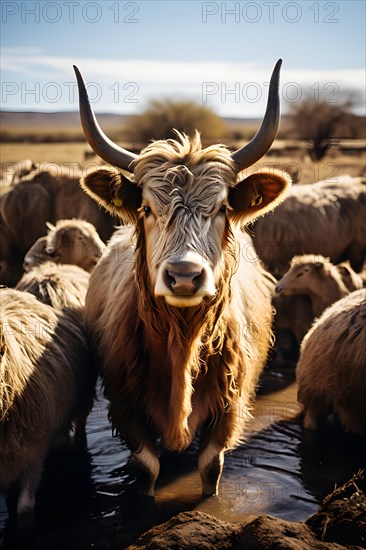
185 282
184 278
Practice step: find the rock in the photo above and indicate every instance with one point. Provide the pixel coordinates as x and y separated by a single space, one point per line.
190 530
267 532
340 523
195 530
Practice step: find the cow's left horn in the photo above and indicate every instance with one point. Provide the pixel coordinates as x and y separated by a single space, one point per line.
263 139
98 141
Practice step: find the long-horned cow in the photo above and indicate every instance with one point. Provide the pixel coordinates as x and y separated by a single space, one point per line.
180 322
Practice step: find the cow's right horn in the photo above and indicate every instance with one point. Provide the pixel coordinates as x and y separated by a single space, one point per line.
98 141
263 139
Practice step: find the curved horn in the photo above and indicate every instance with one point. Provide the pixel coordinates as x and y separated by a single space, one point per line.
263 139
98 141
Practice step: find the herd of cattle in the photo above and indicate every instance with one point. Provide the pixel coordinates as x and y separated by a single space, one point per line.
171 312
45 353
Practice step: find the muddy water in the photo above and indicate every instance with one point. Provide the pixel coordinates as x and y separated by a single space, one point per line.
89 500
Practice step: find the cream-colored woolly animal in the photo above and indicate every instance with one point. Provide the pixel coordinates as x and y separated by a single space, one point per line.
331 372
45 385
68 242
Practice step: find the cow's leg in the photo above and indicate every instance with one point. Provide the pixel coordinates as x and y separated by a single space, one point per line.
80 416
215 438
140 439
210 464
144 454
147 465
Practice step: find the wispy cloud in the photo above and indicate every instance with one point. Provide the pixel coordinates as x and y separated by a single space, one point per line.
221 85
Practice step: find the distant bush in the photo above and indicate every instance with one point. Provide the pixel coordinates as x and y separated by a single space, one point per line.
323 123
159 119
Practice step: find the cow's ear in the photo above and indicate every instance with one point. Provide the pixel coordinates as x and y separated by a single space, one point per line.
344 270
50 226
257 194
112 190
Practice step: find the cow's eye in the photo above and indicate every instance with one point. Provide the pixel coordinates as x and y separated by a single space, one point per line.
223 209
147 210
300 274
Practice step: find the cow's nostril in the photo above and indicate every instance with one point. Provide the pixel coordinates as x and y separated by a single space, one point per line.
170 279
183 277
199 279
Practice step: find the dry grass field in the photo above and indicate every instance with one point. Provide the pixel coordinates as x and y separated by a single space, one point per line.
301 168
58 138
58 153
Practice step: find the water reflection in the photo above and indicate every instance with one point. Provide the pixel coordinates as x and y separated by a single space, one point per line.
107 452
90 499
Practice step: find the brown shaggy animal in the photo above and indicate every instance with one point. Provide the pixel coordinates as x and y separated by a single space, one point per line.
176 363
44 387
68 242
47 194
331 372
311 284
180 321
319 279
59 286
323 218
64 288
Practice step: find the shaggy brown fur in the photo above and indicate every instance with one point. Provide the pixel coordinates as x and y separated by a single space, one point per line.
47 194
323 218
68 242
171 371
44 385
64 288
331 372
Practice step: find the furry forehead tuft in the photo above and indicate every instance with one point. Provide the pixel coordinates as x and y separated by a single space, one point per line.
181 173
161 155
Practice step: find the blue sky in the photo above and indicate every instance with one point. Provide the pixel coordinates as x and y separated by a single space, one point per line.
218 53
